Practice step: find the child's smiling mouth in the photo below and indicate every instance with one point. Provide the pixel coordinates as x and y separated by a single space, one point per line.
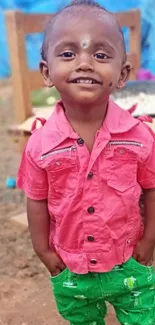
85 81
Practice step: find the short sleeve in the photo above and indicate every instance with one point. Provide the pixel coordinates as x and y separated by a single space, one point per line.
32 179
146 170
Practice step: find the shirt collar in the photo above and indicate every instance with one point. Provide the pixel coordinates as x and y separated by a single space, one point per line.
57 128
118 120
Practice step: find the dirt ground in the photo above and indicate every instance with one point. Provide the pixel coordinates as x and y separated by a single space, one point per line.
25 293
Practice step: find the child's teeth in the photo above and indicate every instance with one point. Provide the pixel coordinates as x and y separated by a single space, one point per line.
87 81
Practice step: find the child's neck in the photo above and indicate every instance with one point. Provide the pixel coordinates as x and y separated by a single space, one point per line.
86 121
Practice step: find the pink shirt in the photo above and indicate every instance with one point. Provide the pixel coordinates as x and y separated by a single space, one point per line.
93 199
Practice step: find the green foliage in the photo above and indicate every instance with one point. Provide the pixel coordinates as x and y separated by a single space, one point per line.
45 97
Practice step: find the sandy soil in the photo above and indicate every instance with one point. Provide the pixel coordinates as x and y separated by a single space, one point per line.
25 293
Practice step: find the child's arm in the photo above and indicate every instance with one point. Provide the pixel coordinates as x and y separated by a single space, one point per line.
32 179
143 252
149 210
39 225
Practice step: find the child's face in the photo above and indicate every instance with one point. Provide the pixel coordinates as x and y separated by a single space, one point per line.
85 58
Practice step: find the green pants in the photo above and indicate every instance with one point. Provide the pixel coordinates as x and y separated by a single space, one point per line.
130 288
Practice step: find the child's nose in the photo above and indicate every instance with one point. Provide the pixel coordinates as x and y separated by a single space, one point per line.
85 63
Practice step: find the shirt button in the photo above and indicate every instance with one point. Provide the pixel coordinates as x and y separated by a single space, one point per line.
90 238
90 175
80 141
93 261
91 210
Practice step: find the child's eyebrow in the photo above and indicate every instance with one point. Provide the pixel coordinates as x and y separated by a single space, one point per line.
104 45
75 45
66 44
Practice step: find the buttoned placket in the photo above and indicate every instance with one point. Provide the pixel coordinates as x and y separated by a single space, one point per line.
89 159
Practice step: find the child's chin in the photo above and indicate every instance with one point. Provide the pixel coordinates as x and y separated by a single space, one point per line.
86 99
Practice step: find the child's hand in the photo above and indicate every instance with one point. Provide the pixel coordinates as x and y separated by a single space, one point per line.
143 253
53 263
56 265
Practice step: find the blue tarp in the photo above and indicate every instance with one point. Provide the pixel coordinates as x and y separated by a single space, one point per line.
33 43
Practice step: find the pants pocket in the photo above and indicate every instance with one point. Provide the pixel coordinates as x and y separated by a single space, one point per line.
144 267
64 287
59 276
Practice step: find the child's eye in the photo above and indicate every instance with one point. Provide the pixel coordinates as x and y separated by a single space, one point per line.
101 56
67 55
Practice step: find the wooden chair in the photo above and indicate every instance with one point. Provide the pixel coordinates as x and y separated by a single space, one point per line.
25 81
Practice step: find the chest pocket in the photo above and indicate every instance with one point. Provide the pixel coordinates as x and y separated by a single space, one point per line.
62 170
122 169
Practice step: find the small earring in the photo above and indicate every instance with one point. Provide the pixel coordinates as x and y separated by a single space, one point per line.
50 84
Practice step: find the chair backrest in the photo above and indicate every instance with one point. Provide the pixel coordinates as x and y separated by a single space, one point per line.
24 80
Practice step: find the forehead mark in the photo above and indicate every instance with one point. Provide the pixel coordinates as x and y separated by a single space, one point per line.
85 42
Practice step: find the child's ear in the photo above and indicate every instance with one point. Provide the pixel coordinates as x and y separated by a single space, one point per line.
45 73
125 74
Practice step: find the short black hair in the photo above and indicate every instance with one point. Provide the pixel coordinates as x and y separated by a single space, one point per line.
90 3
